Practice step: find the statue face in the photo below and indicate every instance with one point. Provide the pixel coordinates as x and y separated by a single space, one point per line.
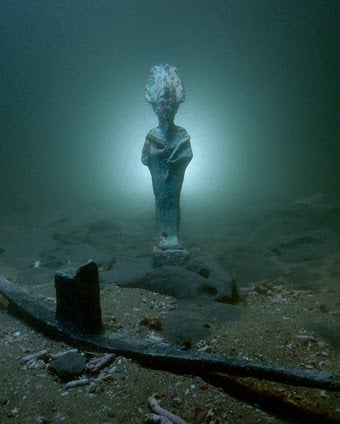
166 108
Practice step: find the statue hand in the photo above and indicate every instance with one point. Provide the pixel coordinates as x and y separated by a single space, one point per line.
180 151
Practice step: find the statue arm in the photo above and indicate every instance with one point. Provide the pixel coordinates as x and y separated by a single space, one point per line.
182 152
146 153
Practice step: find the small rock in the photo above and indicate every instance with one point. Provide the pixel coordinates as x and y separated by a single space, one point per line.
13 413
39 364
177 401
69 365
41 420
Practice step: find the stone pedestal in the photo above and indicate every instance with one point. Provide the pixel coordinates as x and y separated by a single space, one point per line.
173 257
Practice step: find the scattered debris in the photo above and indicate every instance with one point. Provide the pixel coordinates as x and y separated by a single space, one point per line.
34 356
77 383
96 364
161 412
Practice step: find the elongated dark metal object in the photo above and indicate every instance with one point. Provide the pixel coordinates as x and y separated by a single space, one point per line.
41 315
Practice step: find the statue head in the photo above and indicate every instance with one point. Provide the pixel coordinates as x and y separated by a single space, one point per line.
165 91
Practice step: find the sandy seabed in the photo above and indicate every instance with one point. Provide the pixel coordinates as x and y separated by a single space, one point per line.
286 263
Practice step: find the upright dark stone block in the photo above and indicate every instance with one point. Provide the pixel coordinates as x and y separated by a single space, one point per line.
78 299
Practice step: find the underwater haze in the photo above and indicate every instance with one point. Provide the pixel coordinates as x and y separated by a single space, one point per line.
262 90
255 289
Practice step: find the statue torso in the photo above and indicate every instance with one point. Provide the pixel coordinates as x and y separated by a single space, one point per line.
168 141
167 152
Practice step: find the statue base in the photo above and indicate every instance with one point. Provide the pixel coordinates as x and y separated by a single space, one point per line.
173 257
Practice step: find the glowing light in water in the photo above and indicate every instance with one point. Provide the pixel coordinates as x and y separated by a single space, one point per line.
127 176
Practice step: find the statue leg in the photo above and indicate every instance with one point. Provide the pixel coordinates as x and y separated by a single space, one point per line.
167 220
167 194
